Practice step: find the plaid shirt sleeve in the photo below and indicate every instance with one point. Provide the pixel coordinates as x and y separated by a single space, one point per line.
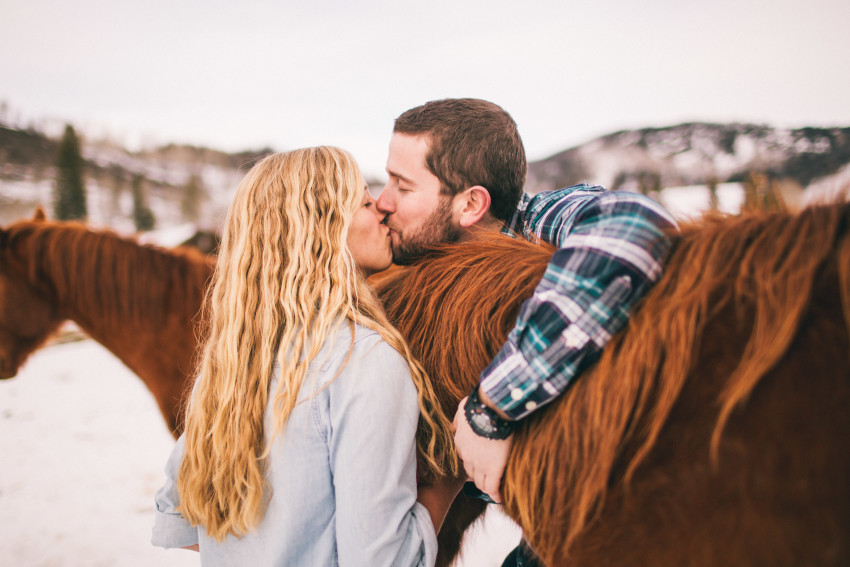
611 250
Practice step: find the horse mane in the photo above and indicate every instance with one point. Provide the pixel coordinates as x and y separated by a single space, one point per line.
760 266
457 305
67 260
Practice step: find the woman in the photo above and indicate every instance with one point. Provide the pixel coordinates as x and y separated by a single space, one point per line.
299 446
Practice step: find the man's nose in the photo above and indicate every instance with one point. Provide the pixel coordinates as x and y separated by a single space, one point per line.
386 200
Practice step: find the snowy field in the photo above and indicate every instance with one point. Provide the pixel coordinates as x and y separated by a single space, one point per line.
84 446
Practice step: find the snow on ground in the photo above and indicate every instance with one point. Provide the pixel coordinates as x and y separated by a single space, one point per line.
690 202
834 188
84 447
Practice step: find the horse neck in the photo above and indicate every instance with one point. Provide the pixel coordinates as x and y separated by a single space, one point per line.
129 298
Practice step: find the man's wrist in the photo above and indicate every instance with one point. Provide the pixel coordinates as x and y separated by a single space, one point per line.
482 396
484 420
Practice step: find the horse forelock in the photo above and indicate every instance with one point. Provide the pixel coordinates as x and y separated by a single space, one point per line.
764 265
101 275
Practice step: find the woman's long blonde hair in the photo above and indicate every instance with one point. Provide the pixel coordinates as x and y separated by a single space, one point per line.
283 283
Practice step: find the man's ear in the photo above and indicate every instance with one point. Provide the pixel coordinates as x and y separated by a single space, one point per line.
472 205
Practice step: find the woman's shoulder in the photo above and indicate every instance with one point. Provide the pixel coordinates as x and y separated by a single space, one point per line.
368 360
367 340
351 341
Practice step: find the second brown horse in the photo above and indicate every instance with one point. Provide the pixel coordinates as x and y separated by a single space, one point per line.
713 431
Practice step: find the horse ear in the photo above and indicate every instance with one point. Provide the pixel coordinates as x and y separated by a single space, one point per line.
39 214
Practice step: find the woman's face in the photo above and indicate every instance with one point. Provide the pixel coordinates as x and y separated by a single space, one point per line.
368 239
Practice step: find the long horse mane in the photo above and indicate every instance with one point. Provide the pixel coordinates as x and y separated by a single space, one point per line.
437 305
760 266
66 260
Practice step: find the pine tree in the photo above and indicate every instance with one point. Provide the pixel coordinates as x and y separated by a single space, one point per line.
713 200
761 193
116 188
142 215
69 192
192 198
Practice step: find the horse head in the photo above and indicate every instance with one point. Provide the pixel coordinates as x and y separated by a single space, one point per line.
27 318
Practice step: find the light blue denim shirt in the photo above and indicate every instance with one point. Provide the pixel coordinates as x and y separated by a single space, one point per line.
342 474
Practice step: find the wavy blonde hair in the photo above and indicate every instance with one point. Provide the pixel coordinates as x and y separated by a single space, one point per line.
284 282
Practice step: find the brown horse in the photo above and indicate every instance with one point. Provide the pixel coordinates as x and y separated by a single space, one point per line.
713 431
138 301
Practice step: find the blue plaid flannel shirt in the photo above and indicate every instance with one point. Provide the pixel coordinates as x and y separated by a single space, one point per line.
611 250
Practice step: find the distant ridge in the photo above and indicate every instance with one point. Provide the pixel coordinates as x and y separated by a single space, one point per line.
27 169
695 153
643 160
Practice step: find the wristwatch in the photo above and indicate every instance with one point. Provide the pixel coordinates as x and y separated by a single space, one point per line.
484 421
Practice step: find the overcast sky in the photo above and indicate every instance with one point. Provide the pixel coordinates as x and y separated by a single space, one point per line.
238 75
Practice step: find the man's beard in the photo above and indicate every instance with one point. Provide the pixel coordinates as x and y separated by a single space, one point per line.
435 229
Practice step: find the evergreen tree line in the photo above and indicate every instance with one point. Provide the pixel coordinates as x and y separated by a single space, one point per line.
69 195
70 191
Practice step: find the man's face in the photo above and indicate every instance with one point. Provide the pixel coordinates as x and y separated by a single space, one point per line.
418 215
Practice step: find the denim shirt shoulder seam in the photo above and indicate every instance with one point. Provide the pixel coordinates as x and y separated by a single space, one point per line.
316 413
319 389
340 352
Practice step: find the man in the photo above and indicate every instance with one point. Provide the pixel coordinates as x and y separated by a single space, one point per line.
456 167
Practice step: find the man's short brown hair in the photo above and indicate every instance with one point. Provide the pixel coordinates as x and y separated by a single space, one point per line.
472 142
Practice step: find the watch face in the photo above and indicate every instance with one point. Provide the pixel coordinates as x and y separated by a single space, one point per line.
482 422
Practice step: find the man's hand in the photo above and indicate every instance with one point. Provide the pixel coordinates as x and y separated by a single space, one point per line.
483 459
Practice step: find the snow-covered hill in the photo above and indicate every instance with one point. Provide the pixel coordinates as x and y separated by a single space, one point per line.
648 160
651 159
27 173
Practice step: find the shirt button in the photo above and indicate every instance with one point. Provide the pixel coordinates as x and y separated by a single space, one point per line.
574 338
516 394
531 406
